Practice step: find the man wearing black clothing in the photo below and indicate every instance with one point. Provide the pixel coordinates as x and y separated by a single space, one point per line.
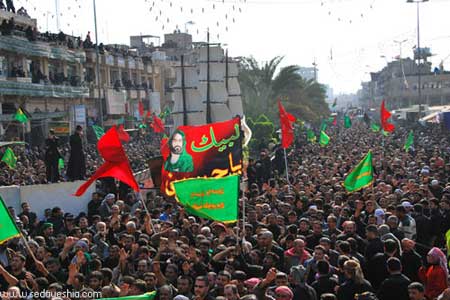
52 156
423 225
76 169
377 265
395 287
263 168
10 6
411 260
93 205
375 244
314 239
32 217
350 232
326 283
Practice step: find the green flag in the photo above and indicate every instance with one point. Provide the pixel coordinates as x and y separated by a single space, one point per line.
311 136
334 103
385 133
146 296
409 141
7 225
20 116
165 113
324 139
361 176
9 158
99 131
447 239
347 122
210 198
60 164
323 126
375 127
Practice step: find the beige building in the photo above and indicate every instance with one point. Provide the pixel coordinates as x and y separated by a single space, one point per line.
397 83
54 79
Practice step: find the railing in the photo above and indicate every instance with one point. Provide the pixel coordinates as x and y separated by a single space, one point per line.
18 88
23 46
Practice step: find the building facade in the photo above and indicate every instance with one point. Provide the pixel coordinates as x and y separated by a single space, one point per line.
397 83
53 77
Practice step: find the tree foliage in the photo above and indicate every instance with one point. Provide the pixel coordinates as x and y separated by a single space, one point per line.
263 84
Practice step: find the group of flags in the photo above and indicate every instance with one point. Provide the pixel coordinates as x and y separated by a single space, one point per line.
156 121
362 175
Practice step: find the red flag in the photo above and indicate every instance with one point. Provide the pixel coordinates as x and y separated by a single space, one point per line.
157 124
287 126
116 163
149 114
385 115
165 151
141 109
335 121
123 135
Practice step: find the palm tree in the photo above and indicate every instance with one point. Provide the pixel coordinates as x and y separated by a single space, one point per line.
262 85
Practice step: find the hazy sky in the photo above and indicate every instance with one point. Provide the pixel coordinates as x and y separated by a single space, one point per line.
346 37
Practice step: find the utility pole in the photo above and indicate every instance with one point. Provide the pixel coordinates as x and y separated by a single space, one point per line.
315 69
58 25
208 91
419 55
183 93
98 75
400 43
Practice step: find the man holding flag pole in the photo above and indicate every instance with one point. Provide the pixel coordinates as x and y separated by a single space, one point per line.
287 132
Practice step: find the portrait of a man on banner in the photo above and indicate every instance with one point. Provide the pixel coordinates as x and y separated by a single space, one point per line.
179 160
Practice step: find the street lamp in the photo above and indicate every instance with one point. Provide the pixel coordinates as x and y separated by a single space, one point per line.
400 43
419 79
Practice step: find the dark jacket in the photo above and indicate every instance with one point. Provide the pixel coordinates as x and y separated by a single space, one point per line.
304 292
349 288
411 263
395 287
51 150
325 284
76 169
377 269
373 247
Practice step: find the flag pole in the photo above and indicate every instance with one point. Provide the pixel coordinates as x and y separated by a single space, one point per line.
148 213
243 222
28 247
23 130
286 165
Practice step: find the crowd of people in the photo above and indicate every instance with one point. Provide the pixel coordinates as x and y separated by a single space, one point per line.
305 240
40 164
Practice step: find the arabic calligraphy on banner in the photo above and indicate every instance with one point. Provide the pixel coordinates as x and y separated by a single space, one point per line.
210 198
212 150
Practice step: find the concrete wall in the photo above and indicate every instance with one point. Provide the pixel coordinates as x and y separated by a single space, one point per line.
45 196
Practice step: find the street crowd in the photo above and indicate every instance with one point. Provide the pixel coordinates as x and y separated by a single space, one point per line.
306 240
33 162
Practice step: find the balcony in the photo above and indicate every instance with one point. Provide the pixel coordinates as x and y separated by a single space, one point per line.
24 47
21 88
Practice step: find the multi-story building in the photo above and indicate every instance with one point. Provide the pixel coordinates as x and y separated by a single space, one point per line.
39 74
397 83
53 77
